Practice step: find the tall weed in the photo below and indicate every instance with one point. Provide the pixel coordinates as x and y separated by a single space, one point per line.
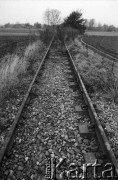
13 65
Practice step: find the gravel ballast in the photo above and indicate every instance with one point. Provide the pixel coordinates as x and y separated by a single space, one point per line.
50 124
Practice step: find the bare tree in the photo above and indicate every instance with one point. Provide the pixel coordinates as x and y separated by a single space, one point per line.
52 17
91 23
47 17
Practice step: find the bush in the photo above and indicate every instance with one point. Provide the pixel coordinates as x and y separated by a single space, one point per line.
46 35
67 33
70 33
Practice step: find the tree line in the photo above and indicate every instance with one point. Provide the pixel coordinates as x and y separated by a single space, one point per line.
91 24
21 25
52 18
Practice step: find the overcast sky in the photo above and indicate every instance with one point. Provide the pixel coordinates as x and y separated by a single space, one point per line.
22 11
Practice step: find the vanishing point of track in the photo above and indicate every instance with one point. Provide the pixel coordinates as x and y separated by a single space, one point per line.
56 119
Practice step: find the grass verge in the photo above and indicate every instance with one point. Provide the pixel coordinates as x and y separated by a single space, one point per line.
101 81
20 71
13 66
97 71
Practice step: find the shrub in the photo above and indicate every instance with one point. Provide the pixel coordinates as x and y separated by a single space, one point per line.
46 35
70 33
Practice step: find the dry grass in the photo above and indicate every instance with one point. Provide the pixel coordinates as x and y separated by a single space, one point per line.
101 33
12 66
98 72
17 31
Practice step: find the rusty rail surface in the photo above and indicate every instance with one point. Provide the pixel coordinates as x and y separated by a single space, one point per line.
98 127
99 51
11 134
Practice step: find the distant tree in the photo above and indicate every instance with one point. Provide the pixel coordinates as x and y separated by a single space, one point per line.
47 17
17 25
27 25
7 25
86 23
98 27
111 28
75 20
44 26
52 17
37 25
105 27
91 24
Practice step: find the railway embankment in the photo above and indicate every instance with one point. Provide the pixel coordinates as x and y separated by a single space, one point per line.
55 124
100 76
16 70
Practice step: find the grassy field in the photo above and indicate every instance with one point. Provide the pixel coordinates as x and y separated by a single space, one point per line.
101 33
108 44
18 31
8 44
13 34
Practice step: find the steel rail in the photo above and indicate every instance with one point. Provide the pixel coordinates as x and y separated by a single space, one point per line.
99 51
93 115
11 134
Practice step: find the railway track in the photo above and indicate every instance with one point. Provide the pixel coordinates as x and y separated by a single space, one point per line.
56 124
99 51
109 57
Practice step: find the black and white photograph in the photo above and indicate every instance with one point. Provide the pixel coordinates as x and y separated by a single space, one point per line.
58 89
